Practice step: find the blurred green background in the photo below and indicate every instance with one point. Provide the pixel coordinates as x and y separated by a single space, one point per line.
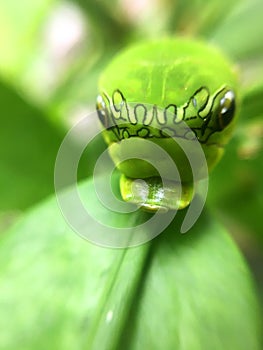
51 55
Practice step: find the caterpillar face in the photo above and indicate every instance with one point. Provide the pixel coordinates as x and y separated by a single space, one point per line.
164 91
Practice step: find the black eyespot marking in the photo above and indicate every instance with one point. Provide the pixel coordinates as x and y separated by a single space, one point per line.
227 109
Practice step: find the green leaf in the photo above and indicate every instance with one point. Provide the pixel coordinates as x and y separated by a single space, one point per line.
252 104
239 177
76 95
57 291
37 54
19 23
240 34
199 17
196 294
29 143
110 15
28 147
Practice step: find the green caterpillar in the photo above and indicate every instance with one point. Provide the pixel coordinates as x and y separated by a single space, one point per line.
162 91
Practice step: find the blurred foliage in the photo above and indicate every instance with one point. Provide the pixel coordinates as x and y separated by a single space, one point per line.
51 54
29 144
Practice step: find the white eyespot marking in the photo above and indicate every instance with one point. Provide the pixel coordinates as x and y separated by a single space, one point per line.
227 99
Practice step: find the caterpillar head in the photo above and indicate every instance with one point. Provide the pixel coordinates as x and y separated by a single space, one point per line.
181 95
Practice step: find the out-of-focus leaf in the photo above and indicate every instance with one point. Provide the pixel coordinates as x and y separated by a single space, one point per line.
235 186
240 34
19 22
251 74
76 97
43 44
108 13
252 104
199 17
190 291
29 144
